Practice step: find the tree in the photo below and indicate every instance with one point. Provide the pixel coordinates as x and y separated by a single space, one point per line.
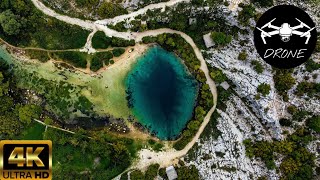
4 87
11 24
152 171
220 38
264 89
314 124
218 76
118 52
9 126
6 104
190 172
283 81
136 175
247 12
29 112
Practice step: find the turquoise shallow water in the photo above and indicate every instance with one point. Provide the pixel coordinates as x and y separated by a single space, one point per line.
162 93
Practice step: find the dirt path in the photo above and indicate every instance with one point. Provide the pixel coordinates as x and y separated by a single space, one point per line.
147 157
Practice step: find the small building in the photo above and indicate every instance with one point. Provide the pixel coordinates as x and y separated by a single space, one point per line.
225 85
192 21
208 40
171 173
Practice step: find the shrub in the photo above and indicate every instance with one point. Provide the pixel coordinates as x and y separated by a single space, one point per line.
309 88
311 65
283 81
292 109
263 3
285 122
220 38
243 55
257 66
264 89
110 10
247 12
77 59
314 123
118 52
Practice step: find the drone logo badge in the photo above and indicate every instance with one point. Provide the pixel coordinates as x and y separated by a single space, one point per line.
26 159
285 36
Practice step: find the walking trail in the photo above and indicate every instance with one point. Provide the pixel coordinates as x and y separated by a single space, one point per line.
147 157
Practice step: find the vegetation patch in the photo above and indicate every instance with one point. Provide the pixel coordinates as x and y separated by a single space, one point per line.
283 82
257 66
308 88
264 89
101 41
75 58
220 38
297 163
21 24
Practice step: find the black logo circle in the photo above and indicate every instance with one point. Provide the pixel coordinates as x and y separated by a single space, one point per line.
285 36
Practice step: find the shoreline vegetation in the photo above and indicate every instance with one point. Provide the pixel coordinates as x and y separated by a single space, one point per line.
50 33
175 43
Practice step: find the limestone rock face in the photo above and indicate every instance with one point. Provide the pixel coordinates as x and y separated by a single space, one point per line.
247 116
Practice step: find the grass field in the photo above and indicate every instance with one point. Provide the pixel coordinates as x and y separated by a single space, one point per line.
106 91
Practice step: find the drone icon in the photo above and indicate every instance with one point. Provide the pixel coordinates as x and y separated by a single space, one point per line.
285 31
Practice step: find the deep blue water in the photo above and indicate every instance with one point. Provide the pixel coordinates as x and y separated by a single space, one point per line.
162 93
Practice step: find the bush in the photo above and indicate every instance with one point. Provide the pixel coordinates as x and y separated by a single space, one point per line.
263 3
77 59
118 52
309 88
136 175
217 75
292 109
314 123
247 12
152 171
96 64
110 10
311 65
300 115
243 55
257 66
285 122
297 160
283 81
220 38
264 89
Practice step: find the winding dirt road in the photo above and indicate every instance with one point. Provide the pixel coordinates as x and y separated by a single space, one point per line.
147 157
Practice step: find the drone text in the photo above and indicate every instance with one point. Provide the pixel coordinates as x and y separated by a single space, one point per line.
284 53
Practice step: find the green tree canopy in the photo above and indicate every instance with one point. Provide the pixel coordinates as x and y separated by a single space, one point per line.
29 112
10 23
314 124
264 89
220 38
